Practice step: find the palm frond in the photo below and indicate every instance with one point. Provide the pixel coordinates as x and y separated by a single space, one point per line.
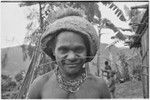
117 10
110 45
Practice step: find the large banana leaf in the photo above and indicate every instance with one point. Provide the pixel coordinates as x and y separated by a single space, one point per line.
118 11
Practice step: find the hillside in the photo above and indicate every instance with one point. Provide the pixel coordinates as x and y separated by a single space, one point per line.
14 61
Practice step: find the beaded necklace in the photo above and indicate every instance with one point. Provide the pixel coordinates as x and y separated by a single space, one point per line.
71 86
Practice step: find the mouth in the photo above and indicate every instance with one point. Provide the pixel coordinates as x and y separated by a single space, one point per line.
72 65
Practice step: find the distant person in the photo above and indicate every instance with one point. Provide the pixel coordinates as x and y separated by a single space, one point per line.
71 41
107 68
111 84
110 79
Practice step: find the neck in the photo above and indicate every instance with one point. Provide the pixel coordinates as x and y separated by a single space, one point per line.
72 76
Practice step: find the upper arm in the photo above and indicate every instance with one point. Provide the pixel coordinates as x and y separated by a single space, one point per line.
104 89
105 93
35 88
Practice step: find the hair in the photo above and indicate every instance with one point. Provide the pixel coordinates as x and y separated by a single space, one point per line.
65 12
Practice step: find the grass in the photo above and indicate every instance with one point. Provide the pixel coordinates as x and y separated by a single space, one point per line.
130 89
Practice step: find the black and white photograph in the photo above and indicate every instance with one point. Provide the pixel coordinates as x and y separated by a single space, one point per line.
74 49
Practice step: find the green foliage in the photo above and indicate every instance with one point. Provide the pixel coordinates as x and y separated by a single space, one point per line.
20 76
137 72
124 64
91 9
118 12
5 77
7 85
110 25
135 16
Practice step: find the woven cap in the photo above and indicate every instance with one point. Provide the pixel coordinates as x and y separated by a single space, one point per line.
75 24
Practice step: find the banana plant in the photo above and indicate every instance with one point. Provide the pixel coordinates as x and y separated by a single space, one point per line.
118 11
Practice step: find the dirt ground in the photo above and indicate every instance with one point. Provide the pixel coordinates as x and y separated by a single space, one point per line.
130 89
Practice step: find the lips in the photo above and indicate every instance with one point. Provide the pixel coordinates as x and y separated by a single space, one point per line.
72 65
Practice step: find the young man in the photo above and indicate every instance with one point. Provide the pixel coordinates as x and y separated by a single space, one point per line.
71 41
111 84
110 79
107 66
107 69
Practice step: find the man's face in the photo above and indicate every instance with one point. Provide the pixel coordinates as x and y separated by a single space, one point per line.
70 52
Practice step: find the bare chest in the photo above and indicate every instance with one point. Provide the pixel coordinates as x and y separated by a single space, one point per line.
86 90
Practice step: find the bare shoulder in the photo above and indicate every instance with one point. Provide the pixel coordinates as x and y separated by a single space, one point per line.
96 79
100 84
37 85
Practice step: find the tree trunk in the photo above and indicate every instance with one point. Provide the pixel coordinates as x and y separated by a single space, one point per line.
145 63
98 57
28 77
34 62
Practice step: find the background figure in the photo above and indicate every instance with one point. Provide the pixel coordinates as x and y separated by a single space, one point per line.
110 80
111 83
107 69
107 66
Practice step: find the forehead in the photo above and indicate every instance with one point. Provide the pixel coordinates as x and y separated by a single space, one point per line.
69 38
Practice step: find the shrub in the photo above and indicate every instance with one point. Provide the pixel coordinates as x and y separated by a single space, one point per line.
137 71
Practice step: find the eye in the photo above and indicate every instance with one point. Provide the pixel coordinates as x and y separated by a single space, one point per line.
63 50
79 49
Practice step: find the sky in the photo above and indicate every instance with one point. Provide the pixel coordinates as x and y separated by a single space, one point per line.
13 23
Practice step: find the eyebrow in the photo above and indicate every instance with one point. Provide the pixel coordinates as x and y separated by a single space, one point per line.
66 47
62 47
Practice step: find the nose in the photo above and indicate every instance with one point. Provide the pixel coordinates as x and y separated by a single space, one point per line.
71 56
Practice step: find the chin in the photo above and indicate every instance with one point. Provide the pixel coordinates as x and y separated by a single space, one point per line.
70 70
73 71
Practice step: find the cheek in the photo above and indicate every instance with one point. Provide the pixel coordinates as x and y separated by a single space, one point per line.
83 54
59 58
59 61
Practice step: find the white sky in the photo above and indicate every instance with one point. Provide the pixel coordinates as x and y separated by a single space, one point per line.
13 23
